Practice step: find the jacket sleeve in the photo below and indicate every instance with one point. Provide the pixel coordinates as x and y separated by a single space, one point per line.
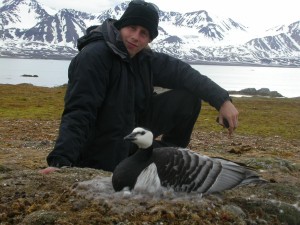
88 79
172 73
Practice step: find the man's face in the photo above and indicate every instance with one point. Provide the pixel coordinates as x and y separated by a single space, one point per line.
135 38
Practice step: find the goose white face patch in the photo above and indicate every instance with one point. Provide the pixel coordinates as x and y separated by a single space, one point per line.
144 138
148 181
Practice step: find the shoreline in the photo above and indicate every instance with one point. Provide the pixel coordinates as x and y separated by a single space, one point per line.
232 93
208 63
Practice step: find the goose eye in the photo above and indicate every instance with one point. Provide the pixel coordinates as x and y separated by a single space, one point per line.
143 132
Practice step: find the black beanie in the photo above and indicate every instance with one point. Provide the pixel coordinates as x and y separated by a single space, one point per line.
140 13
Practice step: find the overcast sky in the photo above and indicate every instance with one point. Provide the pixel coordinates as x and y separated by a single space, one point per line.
253 13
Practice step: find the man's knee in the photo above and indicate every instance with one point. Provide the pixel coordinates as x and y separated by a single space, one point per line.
188 103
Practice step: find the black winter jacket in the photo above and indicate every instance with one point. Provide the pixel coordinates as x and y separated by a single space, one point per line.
99 102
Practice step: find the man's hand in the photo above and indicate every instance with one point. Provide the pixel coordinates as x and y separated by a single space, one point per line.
228 116
49 170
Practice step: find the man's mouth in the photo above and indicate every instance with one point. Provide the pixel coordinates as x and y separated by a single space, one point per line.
130 45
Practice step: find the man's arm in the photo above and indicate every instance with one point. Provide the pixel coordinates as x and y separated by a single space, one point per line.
88 80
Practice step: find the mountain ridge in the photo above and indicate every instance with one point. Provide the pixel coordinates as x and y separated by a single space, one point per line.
195 37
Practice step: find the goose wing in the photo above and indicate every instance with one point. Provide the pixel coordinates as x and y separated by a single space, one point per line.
185 170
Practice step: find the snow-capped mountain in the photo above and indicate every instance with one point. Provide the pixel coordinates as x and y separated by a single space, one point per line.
29 29
14 13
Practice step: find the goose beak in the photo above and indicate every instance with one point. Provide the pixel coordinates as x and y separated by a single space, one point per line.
131 137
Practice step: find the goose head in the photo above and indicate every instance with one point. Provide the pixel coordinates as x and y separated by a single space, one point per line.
142 137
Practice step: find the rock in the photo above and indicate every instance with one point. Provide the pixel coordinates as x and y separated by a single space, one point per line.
248 91
267 92
41 217
285 212
260 92
235 210
4 169
263 91
29 75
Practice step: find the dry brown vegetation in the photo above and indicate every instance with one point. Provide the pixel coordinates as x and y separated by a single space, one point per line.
267 139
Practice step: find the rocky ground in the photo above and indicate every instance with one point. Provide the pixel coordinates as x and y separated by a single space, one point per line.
69 197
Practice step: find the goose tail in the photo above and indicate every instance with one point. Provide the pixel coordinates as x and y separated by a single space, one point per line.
252 178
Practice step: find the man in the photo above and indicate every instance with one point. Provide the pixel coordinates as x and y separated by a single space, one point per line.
110 91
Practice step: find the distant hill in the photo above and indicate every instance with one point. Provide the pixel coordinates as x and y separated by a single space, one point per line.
28 29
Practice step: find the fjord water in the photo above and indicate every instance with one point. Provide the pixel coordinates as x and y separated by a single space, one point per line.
53 73
284 80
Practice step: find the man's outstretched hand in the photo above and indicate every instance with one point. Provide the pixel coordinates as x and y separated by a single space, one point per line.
228 116
49 170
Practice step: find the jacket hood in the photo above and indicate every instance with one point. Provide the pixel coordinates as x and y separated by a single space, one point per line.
107 32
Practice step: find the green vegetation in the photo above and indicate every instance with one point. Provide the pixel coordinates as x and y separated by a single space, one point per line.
26 101
258 115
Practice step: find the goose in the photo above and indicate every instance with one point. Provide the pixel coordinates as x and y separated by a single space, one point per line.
179 169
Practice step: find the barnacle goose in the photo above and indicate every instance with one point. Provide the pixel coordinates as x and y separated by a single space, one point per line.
183 170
